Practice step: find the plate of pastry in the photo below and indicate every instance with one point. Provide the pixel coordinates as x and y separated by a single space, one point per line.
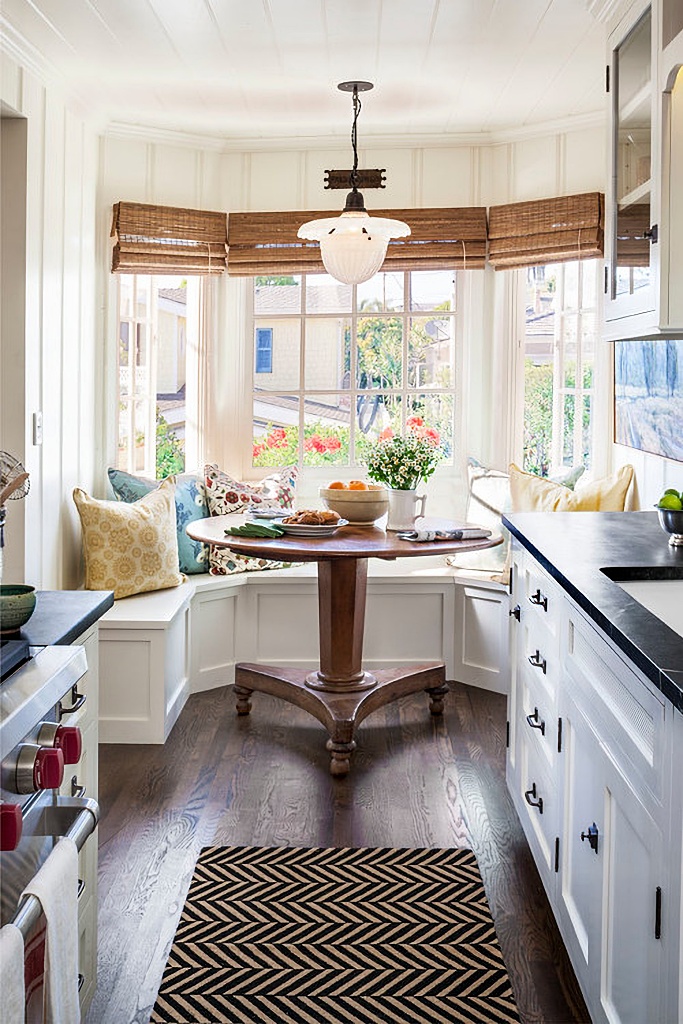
309 522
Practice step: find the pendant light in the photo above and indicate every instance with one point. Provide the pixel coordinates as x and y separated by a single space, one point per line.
353 245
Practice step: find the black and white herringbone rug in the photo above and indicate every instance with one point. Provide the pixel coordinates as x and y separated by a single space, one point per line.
289 935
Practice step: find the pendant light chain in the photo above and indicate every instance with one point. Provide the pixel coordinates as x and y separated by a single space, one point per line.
354 138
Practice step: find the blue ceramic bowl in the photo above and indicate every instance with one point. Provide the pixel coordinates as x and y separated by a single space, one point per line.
16 606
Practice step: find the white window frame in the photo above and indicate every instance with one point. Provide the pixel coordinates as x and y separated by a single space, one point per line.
601 386
317 473
193 355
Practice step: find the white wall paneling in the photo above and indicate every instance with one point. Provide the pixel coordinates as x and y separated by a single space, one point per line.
57 356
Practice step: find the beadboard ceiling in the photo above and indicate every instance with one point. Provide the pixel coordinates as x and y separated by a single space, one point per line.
268 69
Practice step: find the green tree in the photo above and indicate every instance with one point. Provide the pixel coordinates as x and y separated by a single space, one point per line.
275 279
538 417
170 450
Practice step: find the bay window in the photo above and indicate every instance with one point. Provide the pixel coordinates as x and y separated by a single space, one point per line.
347 362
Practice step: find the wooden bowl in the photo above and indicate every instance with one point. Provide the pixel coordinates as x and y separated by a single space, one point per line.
361 508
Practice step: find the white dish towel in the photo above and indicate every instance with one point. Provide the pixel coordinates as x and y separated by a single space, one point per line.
12 974
56 886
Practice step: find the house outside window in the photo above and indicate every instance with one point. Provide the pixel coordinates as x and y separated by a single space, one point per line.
153 371
264 350
347 362
560 340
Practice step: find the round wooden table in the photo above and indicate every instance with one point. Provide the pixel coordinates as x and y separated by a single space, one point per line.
340 694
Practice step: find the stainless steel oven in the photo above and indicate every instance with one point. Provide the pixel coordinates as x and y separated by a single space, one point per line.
38 697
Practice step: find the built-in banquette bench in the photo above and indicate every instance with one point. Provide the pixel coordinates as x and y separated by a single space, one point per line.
157 648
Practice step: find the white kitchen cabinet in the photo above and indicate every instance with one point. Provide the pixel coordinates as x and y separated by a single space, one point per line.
643 249
606 839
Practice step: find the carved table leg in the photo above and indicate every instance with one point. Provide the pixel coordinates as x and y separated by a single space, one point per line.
436 698
340 760
243 699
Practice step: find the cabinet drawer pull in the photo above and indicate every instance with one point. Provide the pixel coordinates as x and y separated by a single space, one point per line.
535 722
515 612
78 699
76 790
540 599
592 836
533 799
537 661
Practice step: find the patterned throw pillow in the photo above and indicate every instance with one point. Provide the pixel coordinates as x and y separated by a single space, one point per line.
226 495
190 504
130 548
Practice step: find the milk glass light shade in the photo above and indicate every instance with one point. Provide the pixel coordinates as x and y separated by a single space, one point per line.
353 245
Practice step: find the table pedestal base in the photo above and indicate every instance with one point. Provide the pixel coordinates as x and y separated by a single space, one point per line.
340 711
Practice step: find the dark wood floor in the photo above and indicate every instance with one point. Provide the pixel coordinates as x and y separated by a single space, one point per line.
263 781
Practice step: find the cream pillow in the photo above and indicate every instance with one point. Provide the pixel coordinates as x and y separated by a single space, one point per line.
532 493
130 548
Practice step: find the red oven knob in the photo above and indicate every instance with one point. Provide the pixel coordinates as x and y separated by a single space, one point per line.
38 768
10 826
48 768
70 742
67 737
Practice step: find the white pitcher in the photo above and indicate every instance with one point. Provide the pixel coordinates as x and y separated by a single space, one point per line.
403 509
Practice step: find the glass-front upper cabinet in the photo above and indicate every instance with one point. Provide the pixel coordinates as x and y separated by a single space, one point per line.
633 236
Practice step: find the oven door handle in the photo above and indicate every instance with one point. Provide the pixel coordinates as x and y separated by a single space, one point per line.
85 814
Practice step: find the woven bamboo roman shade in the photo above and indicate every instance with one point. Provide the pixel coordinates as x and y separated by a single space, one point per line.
167 240
267 243
546 231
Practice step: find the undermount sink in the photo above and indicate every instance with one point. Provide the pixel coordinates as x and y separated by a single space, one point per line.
659 589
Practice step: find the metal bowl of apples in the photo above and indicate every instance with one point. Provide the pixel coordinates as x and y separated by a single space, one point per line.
670 511
359 502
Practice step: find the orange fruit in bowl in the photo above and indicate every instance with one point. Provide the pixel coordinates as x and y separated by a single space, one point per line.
358 485
337 485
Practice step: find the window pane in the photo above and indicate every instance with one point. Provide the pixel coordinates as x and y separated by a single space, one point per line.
588 285
276 430
431 353
326 430
142 291
436 413
383 293
285 342
432 289
126 294
328 353
568 431
124 452
570 351
277 294
586 431
140 419
571 285
325 295
375 413
380 352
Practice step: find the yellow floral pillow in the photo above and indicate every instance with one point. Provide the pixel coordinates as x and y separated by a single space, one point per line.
130 548
532 493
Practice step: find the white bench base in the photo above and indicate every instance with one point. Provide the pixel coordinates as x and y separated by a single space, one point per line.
157 648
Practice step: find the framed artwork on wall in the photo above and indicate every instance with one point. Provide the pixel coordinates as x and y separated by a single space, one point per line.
648 396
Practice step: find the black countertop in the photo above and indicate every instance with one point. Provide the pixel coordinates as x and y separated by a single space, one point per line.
574 548
61 616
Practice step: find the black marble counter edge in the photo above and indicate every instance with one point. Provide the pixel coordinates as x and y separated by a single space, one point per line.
669 681
61 616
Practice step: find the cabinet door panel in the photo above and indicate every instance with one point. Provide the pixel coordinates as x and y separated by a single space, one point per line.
582 865
630 985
